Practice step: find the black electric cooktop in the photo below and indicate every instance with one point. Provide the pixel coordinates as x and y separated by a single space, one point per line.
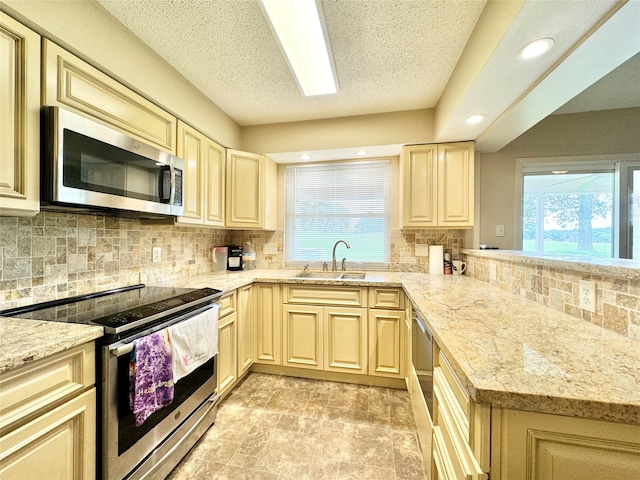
119 309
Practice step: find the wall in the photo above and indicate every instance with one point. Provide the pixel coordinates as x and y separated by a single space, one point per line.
396 128
591 133
84 28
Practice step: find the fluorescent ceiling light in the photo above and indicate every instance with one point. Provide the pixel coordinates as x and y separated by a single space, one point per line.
298 26
535 48
475 119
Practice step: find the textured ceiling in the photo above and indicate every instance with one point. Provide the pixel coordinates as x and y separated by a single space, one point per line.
390 55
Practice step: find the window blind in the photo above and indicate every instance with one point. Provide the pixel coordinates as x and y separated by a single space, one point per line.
338 201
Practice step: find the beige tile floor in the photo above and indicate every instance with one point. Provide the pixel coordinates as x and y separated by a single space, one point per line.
274 427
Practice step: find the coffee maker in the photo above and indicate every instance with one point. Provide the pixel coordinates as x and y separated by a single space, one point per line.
234 257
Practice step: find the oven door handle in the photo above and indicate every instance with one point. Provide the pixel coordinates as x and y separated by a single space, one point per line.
122 350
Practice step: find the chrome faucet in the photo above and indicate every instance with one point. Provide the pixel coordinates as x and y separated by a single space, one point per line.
335 266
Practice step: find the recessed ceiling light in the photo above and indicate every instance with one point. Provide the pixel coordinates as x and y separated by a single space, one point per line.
299 28
559 172
475 119
535 48
305 157
361 153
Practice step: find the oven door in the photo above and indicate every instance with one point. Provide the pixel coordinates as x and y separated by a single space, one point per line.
124 446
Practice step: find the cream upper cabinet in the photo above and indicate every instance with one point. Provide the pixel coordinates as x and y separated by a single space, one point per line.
251 198
437 185
268 315
204 184
20 119
74 84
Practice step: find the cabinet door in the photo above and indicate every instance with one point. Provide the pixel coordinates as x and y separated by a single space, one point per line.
268 313
245 328
74 84
245 189
20 118
546 447
57 445
345 340
419 186
455 184
302 333
385 343
191 148
215 161
227 356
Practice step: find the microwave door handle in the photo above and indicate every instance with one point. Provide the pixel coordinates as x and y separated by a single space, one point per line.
166 183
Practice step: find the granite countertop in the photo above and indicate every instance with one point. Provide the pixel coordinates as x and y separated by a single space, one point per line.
508 351
23 341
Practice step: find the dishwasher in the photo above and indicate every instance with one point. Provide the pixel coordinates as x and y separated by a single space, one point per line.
422 357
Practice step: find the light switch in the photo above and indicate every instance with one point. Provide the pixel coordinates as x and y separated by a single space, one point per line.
270 249
499 230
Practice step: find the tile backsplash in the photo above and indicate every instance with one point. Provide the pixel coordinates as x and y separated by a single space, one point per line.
56 255
617 299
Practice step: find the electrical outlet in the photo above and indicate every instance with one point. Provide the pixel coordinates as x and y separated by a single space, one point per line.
499 230
157 254
270 249
587 293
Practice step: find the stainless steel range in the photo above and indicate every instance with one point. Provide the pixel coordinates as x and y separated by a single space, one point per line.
129 448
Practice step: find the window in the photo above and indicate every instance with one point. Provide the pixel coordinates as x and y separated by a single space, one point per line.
586 206
325 203
570 213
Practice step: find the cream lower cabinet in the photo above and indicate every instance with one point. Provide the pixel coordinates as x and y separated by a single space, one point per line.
461 429
268 323
527 445
245 328
20 118
204 181
386 338
332 339
437 185
48 418
227 344
325 328
251 191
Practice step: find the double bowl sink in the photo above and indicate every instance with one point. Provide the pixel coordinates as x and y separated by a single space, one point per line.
332 275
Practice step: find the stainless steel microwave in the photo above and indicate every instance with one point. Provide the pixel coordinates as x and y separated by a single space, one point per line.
87 166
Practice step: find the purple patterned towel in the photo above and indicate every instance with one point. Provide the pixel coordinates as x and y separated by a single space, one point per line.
150 375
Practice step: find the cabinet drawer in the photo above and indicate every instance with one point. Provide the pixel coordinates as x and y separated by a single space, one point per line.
388 298
71 83
455 385
29 390
323 295
227 304
451 437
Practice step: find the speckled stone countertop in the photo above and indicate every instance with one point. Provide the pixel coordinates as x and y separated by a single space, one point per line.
508 351
23 341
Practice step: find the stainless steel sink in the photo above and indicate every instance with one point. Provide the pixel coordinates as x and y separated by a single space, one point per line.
332 275
307 274
353 276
